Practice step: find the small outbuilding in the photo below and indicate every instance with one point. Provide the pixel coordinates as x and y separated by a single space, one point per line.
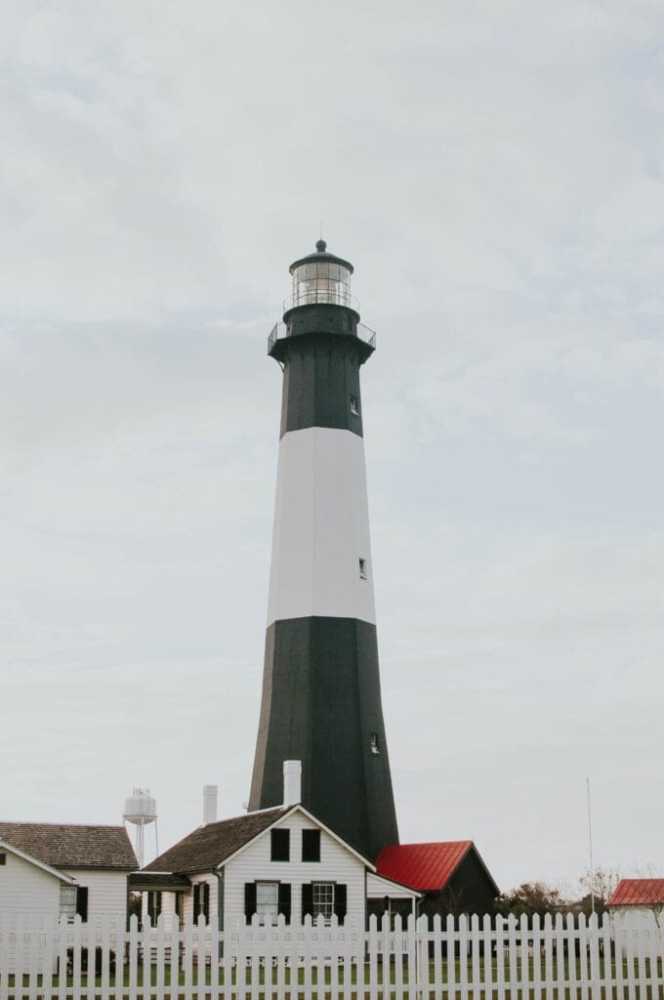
638 896
451 875
63 869
30 888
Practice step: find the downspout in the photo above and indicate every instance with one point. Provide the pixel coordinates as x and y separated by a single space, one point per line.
220 908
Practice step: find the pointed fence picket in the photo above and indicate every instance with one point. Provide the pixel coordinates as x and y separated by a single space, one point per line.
492 958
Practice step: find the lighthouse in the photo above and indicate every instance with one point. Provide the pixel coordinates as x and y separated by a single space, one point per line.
321 700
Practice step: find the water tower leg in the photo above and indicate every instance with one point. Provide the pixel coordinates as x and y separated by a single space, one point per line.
140 844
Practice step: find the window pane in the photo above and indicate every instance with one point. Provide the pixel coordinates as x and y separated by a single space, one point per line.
267 894
267 901
323 900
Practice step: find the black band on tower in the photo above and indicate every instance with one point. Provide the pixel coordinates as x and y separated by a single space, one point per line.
321 704
321 384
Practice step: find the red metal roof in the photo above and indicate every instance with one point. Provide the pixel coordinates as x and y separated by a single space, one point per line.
426 867
638 892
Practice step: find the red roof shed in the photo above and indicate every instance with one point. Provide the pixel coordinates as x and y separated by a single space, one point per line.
426 867
638 892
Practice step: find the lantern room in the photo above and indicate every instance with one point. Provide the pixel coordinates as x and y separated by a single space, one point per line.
320 278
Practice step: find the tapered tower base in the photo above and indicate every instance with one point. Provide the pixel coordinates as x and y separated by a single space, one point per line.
321 704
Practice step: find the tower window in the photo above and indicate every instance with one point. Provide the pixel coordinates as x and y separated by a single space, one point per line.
3 859
364 571
374 745
355 405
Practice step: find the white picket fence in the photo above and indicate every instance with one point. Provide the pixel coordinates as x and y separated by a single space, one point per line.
464 959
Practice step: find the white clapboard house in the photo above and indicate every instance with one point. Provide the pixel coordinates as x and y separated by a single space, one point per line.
51 870
266 863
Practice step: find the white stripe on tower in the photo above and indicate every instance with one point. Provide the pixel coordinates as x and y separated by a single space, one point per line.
321 552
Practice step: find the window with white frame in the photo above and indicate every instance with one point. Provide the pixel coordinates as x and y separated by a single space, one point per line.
267 902
323 900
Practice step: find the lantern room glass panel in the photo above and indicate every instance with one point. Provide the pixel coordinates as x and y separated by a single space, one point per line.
323 281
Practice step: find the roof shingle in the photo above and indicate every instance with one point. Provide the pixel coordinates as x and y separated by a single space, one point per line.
65 845
209 845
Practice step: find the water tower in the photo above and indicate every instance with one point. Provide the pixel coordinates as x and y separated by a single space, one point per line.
141 810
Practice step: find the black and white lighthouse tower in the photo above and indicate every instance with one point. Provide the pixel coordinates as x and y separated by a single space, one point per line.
321 700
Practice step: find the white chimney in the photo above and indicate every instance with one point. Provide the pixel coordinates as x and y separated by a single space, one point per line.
210 803
292 782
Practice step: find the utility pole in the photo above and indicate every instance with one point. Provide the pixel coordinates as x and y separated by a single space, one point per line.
590 847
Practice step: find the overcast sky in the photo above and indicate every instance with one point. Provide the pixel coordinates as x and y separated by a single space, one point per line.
495 172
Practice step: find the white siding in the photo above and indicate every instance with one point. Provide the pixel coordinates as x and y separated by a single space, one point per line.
27 890
645 913
378 888
107 893
337 864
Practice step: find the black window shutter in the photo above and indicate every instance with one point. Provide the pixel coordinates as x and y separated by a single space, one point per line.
82 902
280 844
307 900
311 845
197 900
249 900
206 902
340 902
285 900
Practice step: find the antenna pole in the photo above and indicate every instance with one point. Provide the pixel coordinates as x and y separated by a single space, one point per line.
590 846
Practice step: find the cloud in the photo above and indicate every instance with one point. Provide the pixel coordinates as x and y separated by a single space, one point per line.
496 177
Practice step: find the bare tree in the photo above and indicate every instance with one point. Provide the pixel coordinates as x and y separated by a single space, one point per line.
596 887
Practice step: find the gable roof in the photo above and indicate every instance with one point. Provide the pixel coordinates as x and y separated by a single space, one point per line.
426 867
9 848
66 845
210 845
638 892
